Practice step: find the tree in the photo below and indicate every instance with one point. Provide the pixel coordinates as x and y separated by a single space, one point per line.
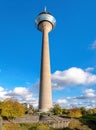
83 111
75 112
12 109
91 111
29 109
0 107
57 110
77 125
64 111
94 110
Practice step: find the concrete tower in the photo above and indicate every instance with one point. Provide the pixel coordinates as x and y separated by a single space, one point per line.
45 23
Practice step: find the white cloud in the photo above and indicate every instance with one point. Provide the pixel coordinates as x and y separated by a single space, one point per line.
93 45
87 94
90 93
72 77
61 101
60 79
89 69
71 103
2 93
22 94
1 89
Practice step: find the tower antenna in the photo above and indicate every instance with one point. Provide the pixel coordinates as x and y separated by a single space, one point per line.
45 8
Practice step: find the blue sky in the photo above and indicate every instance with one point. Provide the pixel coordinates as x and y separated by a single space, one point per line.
72 50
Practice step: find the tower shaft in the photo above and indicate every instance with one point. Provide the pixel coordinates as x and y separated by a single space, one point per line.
45 95
45 23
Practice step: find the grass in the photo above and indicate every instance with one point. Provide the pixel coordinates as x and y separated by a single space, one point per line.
27 126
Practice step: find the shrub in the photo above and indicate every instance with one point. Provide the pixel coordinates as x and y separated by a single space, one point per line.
76 124
42 127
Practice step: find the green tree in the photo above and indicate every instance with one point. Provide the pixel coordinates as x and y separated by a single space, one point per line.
64 111
57 110
90 111
83 111
94 110
12 109
75 112
29 110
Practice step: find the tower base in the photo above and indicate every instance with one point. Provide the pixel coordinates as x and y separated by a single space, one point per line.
44 110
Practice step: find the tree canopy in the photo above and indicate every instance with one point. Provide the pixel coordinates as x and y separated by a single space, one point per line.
12 109
75 112
57 110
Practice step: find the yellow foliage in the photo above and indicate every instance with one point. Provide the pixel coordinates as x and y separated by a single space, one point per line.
75 112
42 127
12 109
77 125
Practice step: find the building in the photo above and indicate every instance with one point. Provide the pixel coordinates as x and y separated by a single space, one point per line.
45 23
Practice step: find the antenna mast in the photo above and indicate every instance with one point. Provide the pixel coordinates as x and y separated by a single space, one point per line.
45 8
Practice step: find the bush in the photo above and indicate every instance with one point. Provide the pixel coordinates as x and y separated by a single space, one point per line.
11 127
43 127
19 126
12 109
75 112
57 110
76 124
34 126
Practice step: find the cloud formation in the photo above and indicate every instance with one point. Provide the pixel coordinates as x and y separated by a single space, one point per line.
60 79
89 69
61 101
21 94
90 93
87 100
93 46
87 94
72 77
2 93
76 103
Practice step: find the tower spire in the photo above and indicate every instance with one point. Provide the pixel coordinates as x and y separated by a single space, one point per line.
45 8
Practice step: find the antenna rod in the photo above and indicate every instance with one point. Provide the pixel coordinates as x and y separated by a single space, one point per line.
45 9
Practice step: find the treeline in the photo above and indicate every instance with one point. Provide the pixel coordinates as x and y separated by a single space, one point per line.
10 108
73 112
84 118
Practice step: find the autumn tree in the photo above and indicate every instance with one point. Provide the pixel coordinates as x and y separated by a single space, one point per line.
12 109
75 112
91 111
94 110
77 125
